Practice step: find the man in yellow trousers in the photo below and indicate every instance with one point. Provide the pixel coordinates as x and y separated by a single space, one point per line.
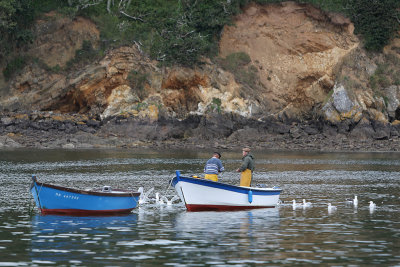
247 168
213 167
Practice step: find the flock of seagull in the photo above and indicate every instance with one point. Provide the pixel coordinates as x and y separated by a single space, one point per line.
163 200
354 202
159 200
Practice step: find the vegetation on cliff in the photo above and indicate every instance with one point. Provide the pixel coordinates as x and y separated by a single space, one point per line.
174 32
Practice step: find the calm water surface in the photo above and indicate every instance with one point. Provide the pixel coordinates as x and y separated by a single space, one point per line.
168 235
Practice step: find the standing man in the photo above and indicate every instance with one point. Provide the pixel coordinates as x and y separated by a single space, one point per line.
247 168
213 167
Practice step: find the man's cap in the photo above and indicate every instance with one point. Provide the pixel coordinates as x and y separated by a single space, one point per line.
219 154
246 149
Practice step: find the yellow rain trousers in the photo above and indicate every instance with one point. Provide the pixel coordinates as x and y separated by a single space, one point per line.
212 177
245 178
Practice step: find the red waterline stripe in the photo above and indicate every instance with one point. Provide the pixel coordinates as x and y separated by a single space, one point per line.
196 207
84 212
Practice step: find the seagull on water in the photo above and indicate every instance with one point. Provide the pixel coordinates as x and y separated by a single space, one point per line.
169 202
331 208
372 206
144 196
306 204
355 201
349 201
159 200
295 205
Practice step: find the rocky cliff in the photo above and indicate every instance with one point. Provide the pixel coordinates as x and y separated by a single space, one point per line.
307 78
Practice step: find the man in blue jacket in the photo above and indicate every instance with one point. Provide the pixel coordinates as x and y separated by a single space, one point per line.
213 167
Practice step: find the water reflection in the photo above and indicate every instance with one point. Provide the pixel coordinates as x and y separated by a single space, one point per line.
240 232
56 239
204 223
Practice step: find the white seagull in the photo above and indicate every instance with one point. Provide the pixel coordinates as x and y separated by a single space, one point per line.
331 208
144 197
372 206
169 202
306 204
295 205
355 201
349 201
159 200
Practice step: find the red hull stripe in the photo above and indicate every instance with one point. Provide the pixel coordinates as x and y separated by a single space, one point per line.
196 207
84 212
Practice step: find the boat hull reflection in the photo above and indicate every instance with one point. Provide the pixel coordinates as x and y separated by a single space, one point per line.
56 239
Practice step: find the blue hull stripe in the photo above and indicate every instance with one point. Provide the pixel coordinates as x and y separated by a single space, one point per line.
227 187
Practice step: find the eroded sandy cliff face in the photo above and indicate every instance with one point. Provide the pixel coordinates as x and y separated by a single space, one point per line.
302 59
296 49
58 37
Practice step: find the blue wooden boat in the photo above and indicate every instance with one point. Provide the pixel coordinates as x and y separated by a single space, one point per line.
52 199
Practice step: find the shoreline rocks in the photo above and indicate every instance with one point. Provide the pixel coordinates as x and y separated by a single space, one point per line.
48 130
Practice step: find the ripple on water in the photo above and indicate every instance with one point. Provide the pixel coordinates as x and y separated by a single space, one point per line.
156 235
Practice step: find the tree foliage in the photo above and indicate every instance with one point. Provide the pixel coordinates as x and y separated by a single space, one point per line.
15 18
179 31
173 32
376 20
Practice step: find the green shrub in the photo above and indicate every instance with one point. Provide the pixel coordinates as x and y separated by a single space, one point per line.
248 76
328 97
45 6
67 11
378 81
235 60
137 81
375 20
141 106
238 64
397 78
216 104
393 59
84 55
108 26
13 67
386 74
350 84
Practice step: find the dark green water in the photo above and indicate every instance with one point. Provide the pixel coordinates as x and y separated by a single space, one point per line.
168 235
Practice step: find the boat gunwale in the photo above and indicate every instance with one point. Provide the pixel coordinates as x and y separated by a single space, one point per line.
85 192
227 187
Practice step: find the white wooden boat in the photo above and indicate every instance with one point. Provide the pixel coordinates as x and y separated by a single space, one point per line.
200 194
